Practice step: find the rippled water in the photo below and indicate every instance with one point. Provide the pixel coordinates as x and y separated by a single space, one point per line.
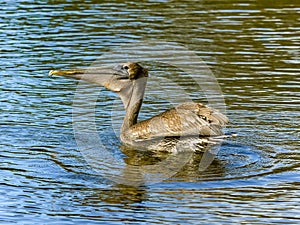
252 47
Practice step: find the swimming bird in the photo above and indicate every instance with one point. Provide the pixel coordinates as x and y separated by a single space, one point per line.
195 123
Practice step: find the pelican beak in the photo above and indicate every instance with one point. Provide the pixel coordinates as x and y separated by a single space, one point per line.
76 73
92 74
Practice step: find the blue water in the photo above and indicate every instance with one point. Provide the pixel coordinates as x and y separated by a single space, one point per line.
252 48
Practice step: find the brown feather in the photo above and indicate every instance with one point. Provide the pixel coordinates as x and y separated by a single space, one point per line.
187 119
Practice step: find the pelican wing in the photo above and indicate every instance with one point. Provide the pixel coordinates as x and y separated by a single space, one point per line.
184 120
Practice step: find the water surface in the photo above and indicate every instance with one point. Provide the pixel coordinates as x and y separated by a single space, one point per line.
252 47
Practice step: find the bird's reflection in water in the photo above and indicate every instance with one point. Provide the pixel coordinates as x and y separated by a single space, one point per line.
185 166
130 192
118 194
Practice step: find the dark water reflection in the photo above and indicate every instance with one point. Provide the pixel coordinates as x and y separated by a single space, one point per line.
252 47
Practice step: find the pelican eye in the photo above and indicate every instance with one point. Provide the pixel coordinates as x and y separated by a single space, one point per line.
204 117
125 67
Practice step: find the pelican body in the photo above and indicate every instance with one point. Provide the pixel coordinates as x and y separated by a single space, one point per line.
193 122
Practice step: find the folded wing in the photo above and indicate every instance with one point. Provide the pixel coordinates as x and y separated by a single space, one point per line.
188 119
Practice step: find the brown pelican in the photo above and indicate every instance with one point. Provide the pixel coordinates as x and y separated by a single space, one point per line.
185 121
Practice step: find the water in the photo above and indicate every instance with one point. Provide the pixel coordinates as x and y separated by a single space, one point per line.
252 47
